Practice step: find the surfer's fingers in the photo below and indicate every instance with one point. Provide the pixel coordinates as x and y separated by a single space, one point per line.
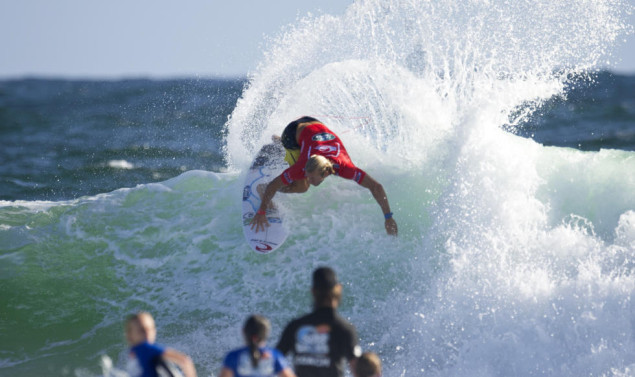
259 224
255 223
391 227
259 227
264 224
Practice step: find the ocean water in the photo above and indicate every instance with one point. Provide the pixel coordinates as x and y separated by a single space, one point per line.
65 139
508 159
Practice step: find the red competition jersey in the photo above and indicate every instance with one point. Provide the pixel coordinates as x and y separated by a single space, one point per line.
317 139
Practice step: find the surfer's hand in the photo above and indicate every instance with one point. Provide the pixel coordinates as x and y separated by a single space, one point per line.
259 221
391 227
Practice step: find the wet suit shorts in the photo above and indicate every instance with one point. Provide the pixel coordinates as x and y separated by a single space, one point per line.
289 141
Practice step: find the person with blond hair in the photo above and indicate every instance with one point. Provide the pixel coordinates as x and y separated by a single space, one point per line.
314 152
256 359
147 357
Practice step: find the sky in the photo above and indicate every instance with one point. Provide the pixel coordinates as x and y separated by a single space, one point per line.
159 38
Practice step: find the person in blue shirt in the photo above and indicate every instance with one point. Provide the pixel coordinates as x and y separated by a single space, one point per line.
146 357
256 359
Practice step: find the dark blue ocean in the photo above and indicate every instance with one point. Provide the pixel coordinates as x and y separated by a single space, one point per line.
507 155
63 139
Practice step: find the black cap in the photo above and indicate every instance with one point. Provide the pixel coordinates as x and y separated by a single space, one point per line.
324 278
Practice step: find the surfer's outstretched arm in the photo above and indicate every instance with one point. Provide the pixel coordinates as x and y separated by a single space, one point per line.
260 218
380 196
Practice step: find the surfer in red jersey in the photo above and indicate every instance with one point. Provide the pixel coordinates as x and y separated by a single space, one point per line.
314 152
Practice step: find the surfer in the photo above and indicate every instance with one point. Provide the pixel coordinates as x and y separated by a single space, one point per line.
314 152
256 359
322 339
146 357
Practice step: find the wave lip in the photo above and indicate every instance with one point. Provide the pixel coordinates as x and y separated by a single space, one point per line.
517 251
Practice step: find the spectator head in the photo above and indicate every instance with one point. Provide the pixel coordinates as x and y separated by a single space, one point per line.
327 291
368 365
140 328
256 331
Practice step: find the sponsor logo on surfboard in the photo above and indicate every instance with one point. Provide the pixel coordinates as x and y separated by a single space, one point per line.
247 217
263 246
323 136
246 192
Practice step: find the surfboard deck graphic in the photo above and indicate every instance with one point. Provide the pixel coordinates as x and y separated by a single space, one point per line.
268 164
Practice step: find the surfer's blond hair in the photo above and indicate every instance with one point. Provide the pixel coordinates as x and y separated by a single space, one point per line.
320 164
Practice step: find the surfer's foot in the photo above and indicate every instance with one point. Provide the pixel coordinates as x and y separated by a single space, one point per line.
276 139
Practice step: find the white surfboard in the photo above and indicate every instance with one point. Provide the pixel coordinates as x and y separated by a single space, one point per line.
267 165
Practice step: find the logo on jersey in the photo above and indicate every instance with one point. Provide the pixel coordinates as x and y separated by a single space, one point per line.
358 176
312 346
326 149
287 176
312 340
265 366
323 136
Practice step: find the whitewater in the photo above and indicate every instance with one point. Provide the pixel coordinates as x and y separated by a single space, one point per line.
513 258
